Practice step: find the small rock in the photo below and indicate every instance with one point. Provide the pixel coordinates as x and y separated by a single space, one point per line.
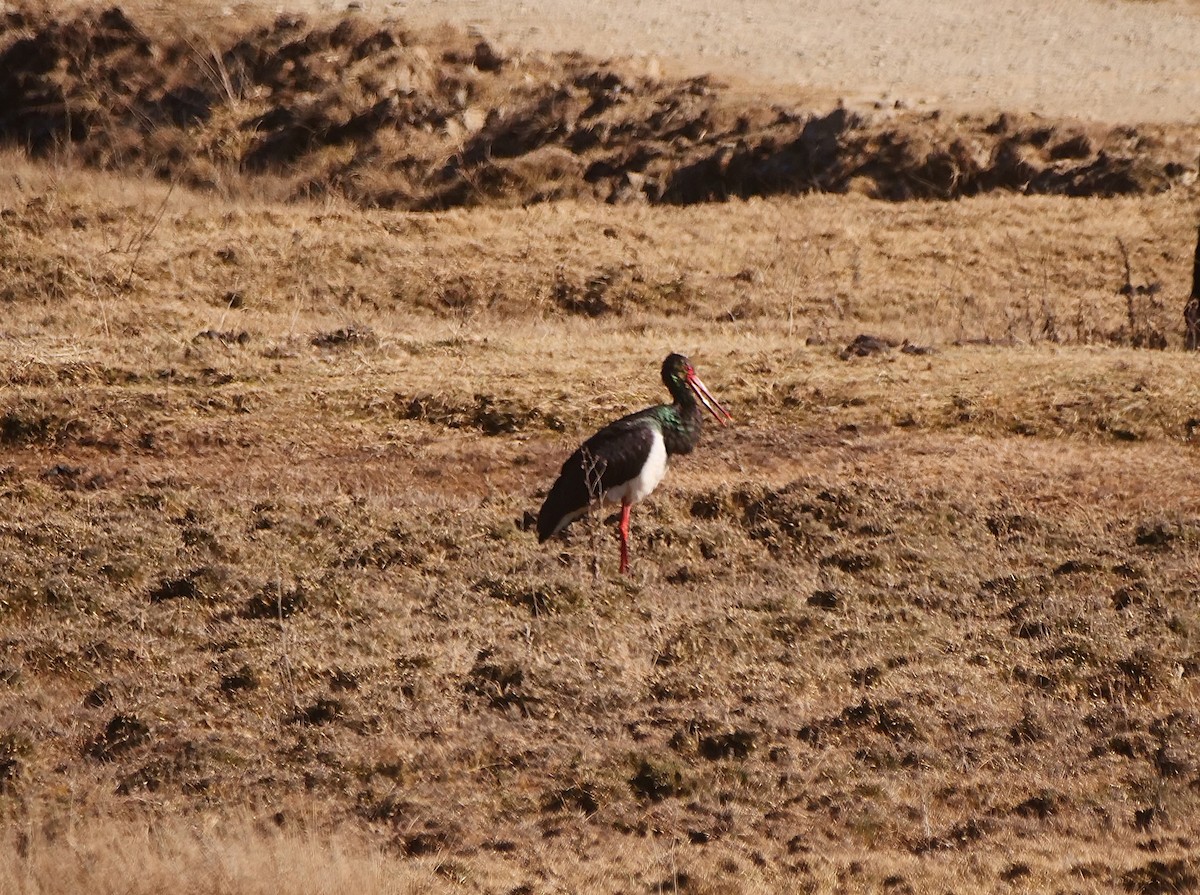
865 345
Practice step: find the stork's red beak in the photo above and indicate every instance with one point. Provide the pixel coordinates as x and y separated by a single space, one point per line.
706 398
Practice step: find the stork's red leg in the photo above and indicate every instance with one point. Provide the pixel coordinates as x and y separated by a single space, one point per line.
623 528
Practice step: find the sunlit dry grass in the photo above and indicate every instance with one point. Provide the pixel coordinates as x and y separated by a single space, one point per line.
918 622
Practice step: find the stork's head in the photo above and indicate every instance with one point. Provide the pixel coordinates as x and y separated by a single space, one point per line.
679 376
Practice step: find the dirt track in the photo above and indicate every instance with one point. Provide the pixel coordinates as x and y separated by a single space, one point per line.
1113 61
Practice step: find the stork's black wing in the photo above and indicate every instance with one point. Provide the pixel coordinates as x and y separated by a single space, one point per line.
611 457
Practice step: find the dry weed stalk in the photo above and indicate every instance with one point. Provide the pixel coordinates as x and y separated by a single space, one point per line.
1036 329
593 473
137 243
285 650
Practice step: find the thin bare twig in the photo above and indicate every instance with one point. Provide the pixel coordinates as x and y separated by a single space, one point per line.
144 236
283 640
593 472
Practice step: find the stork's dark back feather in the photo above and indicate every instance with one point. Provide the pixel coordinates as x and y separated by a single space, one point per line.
611 457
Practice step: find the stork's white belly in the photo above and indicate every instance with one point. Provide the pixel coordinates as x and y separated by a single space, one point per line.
645 481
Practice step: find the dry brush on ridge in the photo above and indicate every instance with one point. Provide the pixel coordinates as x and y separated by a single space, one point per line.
395 118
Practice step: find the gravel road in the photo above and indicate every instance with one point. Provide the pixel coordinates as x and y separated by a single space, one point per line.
1110 60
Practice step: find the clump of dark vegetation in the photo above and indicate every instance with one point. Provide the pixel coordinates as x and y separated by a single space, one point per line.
34 421
538 597
224 337
13 748
273 601
122 734
184 587
659 777
490 415
1157 877
864 345
346 337
500 681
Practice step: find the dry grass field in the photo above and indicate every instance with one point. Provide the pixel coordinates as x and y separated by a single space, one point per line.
272 617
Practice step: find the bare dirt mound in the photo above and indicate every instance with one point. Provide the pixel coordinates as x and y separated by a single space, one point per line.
388 117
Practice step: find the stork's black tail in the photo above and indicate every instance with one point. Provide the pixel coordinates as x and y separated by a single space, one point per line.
568 495
1196 268
580 483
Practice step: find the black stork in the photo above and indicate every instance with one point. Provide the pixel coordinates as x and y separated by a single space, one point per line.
627 459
